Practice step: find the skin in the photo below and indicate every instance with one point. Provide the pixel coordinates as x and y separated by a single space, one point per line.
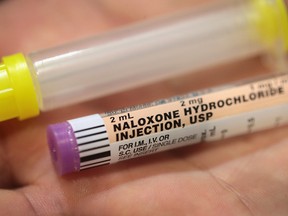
245 175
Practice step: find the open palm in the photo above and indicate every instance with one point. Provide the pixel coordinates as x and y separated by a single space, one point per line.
246 175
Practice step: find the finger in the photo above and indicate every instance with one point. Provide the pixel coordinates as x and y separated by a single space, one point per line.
32 25
6 178
40 25
141 9
14 203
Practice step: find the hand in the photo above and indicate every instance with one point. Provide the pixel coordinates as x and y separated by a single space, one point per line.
245 175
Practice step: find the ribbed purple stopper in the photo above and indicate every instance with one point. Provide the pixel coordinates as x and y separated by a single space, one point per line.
63 148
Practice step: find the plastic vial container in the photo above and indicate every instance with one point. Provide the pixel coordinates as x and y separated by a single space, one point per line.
141 53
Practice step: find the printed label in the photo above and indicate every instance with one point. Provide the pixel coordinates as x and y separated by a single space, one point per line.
167 124
191 111
203 132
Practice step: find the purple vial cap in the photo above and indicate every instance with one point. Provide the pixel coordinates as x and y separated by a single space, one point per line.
63 148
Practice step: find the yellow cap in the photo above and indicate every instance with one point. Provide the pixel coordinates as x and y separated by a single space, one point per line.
17 93
271 21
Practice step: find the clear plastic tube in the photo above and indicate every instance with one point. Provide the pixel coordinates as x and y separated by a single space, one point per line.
221 32
144 53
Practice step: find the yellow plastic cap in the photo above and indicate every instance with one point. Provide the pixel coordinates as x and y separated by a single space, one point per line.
271 21
17 93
